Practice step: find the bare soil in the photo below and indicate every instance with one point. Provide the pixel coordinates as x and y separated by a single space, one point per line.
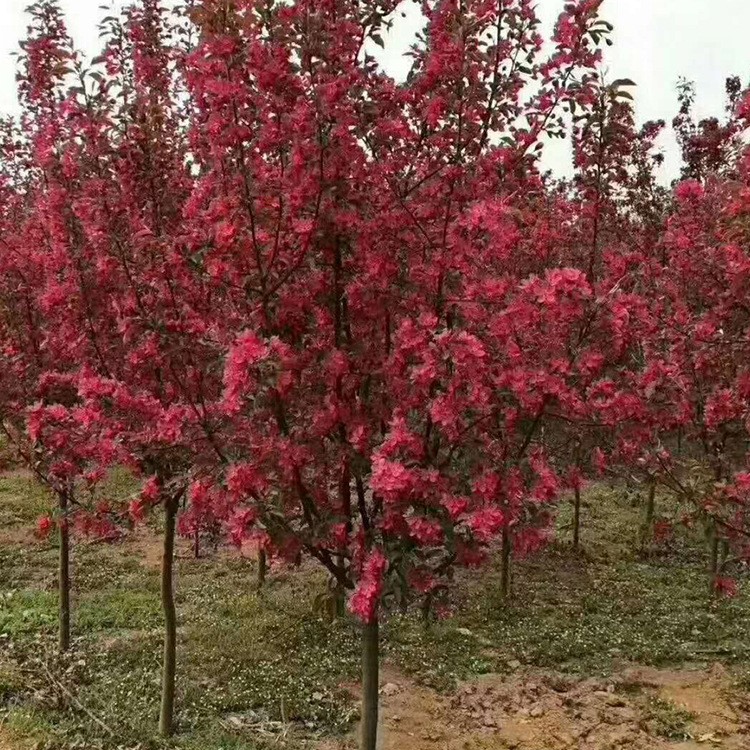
538 710
16 536
147 546
8 743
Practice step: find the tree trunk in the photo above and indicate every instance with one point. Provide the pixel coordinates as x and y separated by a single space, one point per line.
169 664
370 685
262 568
648 522
345 498
713 560
577 520
427 610
64 573
339 599
723 557
505 564
196 543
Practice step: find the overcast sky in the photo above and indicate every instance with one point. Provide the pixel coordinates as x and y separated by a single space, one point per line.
656 42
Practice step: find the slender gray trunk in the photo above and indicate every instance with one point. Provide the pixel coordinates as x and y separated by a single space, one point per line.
713 559
169 663
647 529
577 520
370 685
64 573
262 568
505 562
339 598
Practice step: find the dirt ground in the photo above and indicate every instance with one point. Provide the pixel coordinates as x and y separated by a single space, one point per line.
537 710
7 743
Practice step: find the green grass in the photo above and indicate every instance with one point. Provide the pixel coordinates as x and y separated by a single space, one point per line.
587 619
27 612
22 500
252 664
666 720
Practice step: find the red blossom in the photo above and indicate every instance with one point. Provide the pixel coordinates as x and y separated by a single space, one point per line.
726 587
366 599
425 531
44 526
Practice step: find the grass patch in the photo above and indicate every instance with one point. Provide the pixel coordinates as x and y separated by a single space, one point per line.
663 719
592 615
119 609
24 613
22 500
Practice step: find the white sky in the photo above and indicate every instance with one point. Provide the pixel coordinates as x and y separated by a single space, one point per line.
655 43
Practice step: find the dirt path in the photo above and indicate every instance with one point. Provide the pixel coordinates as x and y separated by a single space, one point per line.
535 710
8 743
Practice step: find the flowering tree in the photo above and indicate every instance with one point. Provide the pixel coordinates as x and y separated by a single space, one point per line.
616 224
34 389
24 364
709 146
704 331
114 327
367 245
689 385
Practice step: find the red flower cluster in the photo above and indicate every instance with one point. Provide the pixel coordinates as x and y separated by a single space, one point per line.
366 599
